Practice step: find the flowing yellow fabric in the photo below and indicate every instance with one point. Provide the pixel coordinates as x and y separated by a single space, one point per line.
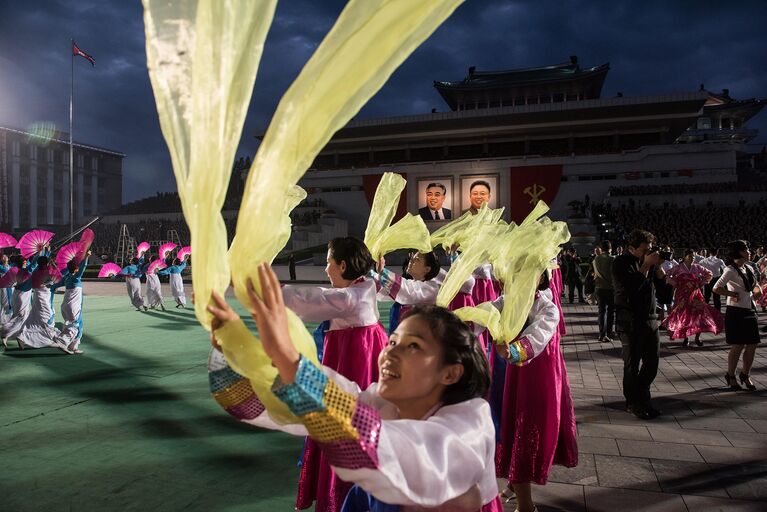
366 44
460 231
410 232
519 257
202 57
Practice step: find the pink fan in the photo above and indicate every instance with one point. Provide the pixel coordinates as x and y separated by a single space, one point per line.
142 248
165 249
7 240
67 253
8 279
184 252
86 239
33 242
109 270
44 275
157 264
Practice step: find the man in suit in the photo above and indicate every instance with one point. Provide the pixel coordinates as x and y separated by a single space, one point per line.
435 197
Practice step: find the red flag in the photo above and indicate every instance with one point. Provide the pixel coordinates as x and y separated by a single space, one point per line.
531 183
77 51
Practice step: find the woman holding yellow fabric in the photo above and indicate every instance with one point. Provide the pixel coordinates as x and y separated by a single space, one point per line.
352 344
421 438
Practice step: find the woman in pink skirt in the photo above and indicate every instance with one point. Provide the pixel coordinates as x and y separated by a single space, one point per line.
691 315
352 344
537 426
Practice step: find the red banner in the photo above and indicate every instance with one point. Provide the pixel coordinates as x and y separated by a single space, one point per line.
530 184
370 184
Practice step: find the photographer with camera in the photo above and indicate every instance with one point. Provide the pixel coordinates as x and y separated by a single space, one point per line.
634 274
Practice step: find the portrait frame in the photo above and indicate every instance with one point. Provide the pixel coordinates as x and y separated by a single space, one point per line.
468 179
449 202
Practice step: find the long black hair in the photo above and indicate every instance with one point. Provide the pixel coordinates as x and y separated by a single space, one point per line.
355 253
460 346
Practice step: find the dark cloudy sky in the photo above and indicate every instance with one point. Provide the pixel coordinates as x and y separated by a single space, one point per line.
652 47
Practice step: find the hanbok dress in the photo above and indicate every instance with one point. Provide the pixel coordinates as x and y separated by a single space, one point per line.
133 275
443 462
153 290
537 423
176 282
39 330
486 289
691 315
6 298
22 305
353 341
71 332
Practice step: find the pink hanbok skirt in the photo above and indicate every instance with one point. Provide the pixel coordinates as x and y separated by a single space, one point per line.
537 419
691 315
484 291
353 353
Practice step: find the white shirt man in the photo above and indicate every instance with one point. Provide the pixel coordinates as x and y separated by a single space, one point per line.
712 264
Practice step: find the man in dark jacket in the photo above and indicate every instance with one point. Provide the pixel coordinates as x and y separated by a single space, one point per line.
636 320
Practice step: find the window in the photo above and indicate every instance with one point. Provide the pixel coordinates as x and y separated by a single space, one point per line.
704 123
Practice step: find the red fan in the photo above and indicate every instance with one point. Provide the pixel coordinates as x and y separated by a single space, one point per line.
142 248
9 279
34 241
184 252
67 253
109 270
7 240
165 249
157 264
44 275
86 239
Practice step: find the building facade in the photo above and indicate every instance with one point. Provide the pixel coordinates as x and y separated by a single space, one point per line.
34 180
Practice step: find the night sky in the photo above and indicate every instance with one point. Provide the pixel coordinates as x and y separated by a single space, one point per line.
653 48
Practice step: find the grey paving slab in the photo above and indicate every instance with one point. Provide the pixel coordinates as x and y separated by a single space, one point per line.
726 424
711 504
732 455
626 472
583 474
657 450
746 439
614 431
687 436
598 445
758 425
599 499
559 497
684 477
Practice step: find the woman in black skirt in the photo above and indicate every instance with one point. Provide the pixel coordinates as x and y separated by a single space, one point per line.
738 283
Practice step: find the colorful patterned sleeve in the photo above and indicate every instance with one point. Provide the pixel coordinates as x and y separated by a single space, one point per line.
389 282
544 320
231 390
346 428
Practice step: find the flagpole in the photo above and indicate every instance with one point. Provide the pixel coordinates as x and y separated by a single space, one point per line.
71 150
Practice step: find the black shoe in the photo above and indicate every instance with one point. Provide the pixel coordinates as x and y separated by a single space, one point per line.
731 381
653 411
698 342
606 339
640 412
746 381
685 343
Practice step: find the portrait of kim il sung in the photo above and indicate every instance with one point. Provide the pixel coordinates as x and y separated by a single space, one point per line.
435 198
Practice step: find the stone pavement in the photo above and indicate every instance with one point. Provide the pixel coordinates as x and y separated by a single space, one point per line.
708 451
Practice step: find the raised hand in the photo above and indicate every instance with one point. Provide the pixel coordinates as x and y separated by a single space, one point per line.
271 317
222 312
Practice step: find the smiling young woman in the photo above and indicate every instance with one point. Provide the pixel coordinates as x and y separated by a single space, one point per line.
421 436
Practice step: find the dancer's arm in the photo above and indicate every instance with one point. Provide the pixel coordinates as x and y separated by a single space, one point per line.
536 337
316 304
407 291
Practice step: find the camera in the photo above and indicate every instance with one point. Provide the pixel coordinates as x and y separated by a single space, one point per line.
663 255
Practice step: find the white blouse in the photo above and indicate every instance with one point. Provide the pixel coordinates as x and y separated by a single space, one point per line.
734 283
354 306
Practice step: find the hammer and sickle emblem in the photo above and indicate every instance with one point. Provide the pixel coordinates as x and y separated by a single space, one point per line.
534 192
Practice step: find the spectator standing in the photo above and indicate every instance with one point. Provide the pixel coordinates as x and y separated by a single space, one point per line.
292 266
603 282
664 292
738 283
714 264
574 281
637 321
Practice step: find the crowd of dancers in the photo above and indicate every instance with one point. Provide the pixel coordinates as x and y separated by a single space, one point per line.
484 410
27 314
